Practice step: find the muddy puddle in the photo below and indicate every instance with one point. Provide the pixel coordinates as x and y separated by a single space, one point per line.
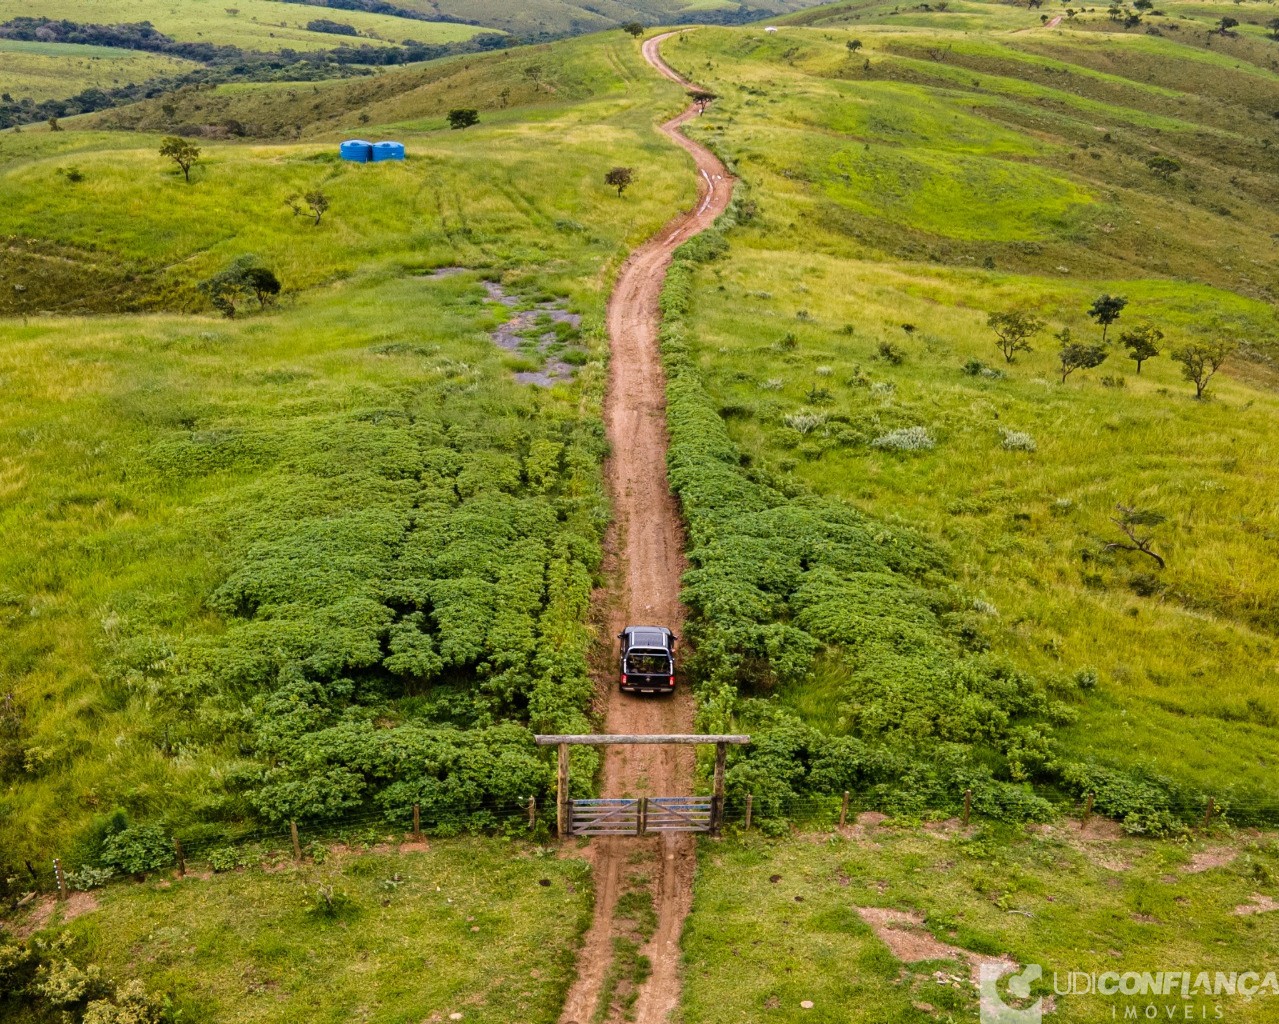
542 337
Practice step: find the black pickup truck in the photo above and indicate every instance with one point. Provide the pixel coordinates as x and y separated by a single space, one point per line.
648 659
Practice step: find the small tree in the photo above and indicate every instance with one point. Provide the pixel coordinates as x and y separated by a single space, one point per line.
1273 25
702 98
463 117
181 151
315 204
620 178
1226 24
634 28
318 203
854 45
1105 310
1013 330
1142 343
1075 355
1200 361
1132 521
534 74
263 283
244 277
53 125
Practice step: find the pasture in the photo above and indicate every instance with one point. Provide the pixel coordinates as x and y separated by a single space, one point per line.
154 461
44 71
881 923
468 926
898 191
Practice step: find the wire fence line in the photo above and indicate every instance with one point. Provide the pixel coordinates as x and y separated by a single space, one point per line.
222 847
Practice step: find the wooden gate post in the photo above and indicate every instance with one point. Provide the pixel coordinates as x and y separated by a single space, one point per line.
717 799
61 878
561 794
641 816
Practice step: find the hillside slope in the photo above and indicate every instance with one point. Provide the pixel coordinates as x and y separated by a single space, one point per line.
912 171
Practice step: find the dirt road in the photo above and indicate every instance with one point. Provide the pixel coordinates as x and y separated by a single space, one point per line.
648 539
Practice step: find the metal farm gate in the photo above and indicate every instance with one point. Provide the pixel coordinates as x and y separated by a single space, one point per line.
637 816
626 816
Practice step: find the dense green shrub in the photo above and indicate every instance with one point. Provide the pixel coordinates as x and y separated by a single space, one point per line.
137 849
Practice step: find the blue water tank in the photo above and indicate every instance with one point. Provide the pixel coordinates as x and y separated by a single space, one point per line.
356 149
388 151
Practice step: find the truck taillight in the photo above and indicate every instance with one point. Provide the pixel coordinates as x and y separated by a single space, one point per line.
671 681
623 678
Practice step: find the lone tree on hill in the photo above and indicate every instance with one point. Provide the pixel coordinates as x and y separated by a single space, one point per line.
1200 361
1273 25
620 178
1013 330
463 117
1142 343
243 278
181 151
1131 521
634 28
1105 310
1226 24
534 74
314 203
1075 355
854 45
702 98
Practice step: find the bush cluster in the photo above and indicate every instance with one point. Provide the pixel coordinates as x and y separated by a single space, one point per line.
39 980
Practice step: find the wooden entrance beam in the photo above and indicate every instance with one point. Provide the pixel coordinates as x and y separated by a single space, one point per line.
604 739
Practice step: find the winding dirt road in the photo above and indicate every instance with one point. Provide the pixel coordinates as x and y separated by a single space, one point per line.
649 541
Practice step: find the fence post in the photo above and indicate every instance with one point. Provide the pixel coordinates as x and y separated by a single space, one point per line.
843 811
532 812
297 843
641 816
561 793
717 799
182 859
1212 806
62 879
968 804
750 799
1088 809
417 823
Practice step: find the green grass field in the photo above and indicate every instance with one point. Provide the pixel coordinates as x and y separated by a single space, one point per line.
777 923
47 70
476 927
904 191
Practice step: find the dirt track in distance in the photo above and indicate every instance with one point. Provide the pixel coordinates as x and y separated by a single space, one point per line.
649 543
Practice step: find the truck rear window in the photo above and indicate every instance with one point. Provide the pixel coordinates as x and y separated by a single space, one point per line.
648 664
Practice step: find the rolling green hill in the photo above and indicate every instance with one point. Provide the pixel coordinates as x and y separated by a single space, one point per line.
906 174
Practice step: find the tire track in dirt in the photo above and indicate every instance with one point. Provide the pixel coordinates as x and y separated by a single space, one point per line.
647 536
